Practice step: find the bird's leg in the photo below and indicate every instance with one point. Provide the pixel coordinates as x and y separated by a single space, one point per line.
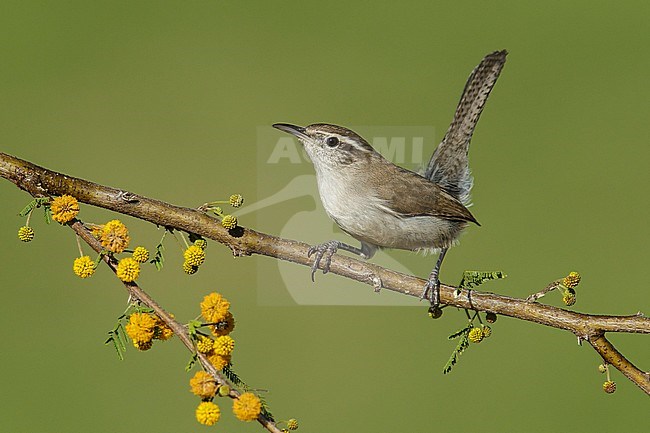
432 286
327 249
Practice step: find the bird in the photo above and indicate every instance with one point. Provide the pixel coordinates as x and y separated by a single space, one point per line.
383 205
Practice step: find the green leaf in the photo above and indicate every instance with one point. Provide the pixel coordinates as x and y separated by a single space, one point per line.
48 214
265 408
476 278
117 337
37 202
192 326
97 260
460 348
27 209
232 376
158 258
460 332
191 362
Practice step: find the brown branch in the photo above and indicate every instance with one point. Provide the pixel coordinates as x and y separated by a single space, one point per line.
244 241
612 356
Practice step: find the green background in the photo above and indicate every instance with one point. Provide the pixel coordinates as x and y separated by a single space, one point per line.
164 99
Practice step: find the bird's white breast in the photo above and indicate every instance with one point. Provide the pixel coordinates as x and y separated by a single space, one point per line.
363 215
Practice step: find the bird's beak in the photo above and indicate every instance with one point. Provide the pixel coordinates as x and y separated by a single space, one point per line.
298 131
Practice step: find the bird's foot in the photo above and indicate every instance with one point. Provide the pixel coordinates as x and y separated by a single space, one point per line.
431 291
322 251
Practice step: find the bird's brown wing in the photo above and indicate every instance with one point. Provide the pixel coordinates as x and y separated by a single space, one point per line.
431 199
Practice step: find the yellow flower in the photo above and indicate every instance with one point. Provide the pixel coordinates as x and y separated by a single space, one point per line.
229 222
292 424
203 385
25 233
475 335
208 413
224 345
219 361
571 280
247 407
487 331
609 387
201 243
140 327
140 254
64 208
194 256
161 331
236 200
83 266
225 326
189 269
143 345
214 307
569 297
95 229
114 236
128 270
205 344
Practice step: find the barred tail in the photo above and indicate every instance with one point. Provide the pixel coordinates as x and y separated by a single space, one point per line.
449 166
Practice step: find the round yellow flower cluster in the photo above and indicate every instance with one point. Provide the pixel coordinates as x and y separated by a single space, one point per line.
205 344
201 243
208 413
219 361
194 257
224 345
214 307
609 387
25 233
571 280
203 385
569 297
144 327
189 269
140 254
236 200
64 208
487 331
229 222
128 270
83 266
247 407
140 329
477 334
114 236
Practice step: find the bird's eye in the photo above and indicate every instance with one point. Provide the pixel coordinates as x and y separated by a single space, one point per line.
332 141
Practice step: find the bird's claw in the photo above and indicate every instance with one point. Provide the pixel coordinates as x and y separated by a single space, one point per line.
431 292
325 250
